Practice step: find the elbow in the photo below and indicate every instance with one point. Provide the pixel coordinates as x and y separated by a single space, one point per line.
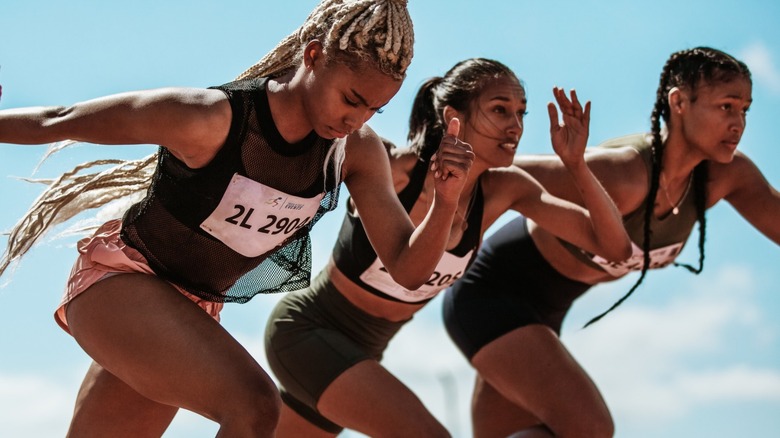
411 283
621 253
409 280
53 123
54 115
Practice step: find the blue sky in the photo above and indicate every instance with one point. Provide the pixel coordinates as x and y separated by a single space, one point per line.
685 356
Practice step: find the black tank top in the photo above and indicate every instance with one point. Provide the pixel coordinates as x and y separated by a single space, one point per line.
250 209
356 258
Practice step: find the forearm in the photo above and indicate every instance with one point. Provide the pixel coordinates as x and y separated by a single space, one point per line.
34 125
609 234
417 260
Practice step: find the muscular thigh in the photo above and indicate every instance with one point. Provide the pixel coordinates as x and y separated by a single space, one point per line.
313 337
161 344
494 416
107 406
531 368
369 399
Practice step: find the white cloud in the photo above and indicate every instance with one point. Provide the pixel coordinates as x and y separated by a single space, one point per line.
733 384
647 360
36 407
759 59
32 406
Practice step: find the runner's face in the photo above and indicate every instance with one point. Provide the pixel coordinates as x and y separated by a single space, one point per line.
714 122
341 99
494 123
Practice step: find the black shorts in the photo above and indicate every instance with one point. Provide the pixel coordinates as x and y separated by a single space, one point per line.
312 337
509 285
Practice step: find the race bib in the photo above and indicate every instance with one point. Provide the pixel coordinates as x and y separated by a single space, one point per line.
253 219
449 269
659 258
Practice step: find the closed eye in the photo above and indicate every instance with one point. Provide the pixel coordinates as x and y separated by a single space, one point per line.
350 102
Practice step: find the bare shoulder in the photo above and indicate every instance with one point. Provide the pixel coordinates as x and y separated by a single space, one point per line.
402 162
619 168
626 156
741 163
203 118
510 183
738 176
196 101
623 173
503 188
208 109
364 151
607 161
197 96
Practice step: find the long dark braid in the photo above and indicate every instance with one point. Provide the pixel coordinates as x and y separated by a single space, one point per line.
684 69
457 88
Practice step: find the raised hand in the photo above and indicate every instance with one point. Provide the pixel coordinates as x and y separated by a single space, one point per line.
451 163
570 136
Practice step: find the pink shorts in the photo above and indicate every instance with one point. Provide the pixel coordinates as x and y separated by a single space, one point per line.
103 255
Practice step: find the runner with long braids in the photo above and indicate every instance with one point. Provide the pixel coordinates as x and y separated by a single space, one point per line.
144 296
505 313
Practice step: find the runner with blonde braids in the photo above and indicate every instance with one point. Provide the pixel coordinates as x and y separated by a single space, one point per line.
243 172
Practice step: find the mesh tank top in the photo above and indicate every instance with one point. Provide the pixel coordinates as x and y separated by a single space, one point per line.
240 225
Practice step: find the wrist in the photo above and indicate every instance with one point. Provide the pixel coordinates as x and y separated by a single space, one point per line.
576 166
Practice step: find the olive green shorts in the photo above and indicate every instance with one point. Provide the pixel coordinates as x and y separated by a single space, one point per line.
312 337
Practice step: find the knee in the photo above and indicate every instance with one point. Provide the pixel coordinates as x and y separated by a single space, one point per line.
432 429
592 425
437 430
265 408
597 428
429 428
255 407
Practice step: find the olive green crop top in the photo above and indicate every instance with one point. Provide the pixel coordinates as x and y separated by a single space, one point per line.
668 234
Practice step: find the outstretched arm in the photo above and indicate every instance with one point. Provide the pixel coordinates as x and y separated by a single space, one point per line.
409 254
598 227
743 185
192 123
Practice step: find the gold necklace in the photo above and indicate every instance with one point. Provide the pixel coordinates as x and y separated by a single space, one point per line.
676 207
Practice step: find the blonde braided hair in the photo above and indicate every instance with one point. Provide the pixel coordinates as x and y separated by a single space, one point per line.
74 192
378 32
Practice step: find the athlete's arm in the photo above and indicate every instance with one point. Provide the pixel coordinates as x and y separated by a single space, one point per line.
192 123
743 185
599 229
620 171
409 254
